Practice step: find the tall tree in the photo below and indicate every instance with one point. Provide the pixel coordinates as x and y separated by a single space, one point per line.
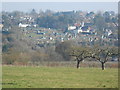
99 22
64 48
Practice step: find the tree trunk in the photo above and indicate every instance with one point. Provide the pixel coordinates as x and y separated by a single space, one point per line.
78 63
103 65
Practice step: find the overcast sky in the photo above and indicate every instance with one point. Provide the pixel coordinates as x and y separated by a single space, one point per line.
60 6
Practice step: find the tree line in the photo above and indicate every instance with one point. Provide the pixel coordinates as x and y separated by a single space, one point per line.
63 51
81 53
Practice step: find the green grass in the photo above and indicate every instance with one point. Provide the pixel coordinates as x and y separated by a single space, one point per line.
58 77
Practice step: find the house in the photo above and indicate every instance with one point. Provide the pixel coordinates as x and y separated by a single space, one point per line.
1 26
39 32
108 32
23 25
71 27
84 28
50 38
35 25
79 30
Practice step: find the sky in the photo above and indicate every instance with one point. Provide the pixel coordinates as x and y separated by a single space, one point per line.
60 6
60 0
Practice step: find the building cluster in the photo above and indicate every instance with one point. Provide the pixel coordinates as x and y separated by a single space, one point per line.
82 31
83 28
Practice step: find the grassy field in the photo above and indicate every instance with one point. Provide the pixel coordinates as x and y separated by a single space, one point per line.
58 77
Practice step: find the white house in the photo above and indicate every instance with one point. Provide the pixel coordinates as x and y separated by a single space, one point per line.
1 26
71 27
79 30
23 25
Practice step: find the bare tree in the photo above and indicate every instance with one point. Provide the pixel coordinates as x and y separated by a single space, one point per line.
80 53
103 54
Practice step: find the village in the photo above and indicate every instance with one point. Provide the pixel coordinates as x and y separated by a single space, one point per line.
84 30
61 44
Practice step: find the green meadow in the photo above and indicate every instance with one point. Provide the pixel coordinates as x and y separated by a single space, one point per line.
58 77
